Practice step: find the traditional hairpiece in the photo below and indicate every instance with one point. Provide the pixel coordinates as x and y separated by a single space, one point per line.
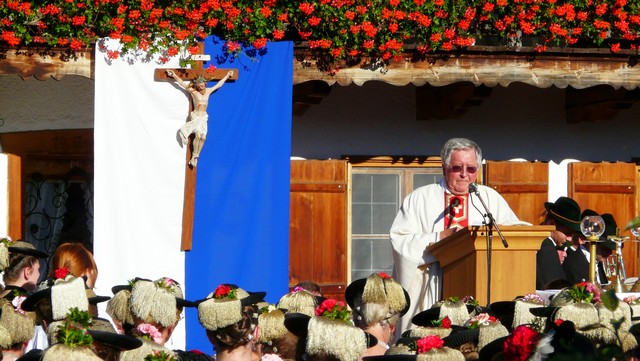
223 307
335 337
271 325
456 310
61 351
66 294
4 252
382 289
155 301
5 338
491 332
118 307
301 301
18 322
147 348
521 314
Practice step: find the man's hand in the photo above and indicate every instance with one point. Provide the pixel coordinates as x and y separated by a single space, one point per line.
170 73
229 73
447 232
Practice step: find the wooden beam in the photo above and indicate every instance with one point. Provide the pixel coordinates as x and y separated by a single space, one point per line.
15 197
578 69
45 64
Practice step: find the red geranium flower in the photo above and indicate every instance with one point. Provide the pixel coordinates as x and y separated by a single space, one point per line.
429 342
224 291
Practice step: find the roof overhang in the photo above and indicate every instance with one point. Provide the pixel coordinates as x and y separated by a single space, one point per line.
490 66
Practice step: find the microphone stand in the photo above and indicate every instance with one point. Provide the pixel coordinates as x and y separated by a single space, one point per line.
473 188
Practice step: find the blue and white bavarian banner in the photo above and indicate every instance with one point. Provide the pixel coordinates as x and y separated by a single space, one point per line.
241 227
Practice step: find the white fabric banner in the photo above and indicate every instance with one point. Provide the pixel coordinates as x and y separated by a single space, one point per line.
558 179
139 176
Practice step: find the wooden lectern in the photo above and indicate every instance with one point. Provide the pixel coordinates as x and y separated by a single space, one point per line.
463 258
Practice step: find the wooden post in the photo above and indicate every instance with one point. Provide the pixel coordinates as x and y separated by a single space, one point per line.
190 171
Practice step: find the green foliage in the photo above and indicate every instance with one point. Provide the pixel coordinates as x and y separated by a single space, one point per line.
610 300
158 356
73 336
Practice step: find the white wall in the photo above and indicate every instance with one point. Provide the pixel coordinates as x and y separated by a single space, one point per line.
520 121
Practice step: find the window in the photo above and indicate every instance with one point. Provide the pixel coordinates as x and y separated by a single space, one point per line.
377 193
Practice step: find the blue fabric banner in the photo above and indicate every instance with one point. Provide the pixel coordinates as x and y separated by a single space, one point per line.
241 226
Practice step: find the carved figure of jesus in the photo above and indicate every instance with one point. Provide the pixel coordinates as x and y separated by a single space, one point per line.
198 118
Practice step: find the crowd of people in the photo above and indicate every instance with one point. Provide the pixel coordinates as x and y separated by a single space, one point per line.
57 319
383 318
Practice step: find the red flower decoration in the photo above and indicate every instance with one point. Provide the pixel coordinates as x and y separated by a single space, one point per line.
521 343
224 291
428 343
446 322
384 275
61 273
333 309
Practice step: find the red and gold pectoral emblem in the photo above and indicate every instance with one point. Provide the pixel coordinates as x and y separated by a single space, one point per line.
456 211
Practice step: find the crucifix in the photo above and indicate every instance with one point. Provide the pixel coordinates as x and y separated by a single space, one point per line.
193 133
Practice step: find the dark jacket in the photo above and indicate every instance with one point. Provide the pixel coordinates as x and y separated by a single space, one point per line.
548 266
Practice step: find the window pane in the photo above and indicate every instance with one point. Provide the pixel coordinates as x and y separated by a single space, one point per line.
420 180
361 190
383 216
361 254
361 219
381 256
385 188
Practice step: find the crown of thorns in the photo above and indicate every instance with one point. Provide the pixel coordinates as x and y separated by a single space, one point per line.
200 79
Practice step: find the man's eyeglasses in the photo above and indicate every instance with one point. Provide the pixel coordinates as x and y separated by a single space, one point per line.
458 169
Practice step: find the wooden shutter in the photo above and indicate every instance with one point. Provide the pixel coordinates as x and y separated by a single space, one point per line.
524 185
318 230
608 188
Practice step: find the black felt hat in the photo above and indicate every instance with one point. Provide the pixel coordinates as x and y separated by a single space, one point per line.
298 324
400 357
95 299
426 317
26 248
33 355
461 335
115 340
504 311
492 348
354 293
565 211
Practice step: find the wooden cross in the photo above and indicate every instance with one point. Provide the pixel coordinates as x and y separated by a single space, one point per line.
190 172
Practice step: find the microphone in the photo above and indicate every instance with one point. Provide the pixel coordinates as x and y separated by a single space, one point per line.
453 203
473 188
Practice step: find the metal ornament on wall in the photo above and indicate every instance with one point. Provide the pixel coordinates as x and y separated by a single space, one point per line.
58 211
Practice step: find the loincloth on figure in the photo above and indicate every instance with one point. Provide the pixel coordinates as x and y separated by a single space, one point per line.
197 124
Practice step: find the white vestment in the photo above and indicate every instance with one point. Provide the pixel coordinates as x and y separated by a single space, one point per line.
417 225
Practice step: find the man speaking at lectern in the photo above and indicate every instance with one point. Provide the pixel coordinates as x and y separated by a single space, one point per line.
433 212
